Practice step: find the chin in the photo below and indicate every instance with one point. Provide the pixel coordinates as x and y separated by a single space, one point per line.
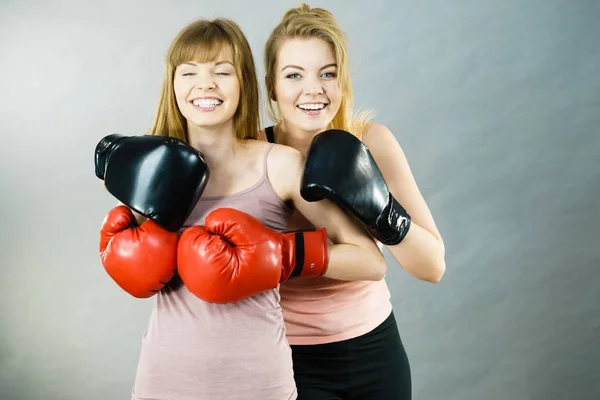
313 126
210 122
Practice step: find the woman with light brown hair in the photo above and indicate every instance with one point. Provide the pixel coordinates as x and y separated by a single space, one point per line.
344 338
216 330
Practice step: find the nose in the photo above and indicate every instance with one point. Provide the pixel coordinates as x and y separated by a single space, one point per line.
313 87
205 81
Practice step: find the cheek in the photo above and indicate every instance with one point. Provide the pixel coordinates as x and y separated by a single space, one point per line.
333 92
228 85
180 90
233 92
286 94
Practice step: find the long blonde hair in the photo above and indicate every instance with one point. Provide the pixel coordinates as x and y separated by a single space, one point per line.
202 41
307 22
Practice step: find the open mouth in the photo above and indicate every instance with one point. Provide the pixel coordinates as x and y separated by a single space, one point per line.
206 104
312 108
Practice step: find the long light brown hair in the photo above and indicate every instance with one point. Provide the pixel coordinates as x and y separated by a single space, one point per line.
307 22
202 41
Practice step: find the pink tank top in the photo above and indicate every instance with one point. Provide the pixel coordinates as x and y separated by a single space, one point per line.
195 350
322 310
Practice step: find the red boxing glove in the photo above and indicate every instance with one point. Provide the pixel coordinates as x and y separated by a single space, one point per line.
141 260
234 256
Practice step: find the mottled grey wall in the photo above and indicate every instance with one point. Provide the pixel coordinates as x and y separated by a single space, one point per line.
497 105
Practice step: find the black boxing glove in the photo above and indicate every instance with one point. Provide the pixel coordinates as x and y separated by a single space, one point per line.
340 167
159 177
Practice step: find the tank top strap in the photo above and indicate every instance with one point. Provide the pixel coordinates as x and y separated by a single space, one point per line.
270 133
265 158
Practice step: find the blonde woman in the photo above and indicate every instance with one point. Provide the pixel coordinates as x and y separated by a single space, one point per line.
344 338
216 329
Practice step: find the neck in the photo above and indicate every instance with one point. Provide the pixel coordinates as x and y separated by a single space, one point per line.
295 137
217 144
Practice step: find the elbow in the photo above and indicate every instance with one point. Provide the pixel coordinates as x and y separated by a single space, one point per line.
436 276
379 268
436 270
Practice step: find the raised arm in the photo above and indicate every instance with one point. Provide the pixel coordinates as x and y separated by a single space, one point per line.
422 252
371 180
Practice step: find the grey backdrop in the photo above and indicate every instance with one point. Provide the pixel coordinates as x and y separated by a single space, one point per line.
496 103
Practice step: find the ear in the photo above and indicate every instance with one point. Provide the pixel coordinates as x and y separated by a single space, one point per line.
270 89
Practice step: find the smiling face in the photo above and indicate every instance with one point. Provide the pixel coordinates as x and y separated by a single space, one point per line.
306 84
208 93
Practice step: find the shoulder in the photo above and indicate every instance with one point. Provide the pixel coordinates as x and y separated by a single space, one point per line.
254 147
377 134
285 156
382 142
279 154
284 167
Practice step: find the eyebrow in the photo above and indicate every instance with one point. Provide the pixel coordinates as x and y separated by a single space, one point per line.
217 63
302 69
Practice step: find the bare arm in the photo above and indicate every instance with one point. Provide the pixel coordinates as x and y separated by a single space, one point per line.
422 252
354 255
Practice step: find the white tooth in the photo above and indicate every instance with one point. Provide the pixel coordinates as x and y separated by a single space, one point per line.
312 106
206 103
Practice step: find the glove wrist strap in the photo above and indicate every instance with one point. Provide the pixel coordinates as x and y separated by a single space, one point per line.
393 224
310 254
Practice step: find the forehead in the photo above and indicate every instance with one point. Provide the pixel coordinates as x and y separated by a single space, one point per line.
306 52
